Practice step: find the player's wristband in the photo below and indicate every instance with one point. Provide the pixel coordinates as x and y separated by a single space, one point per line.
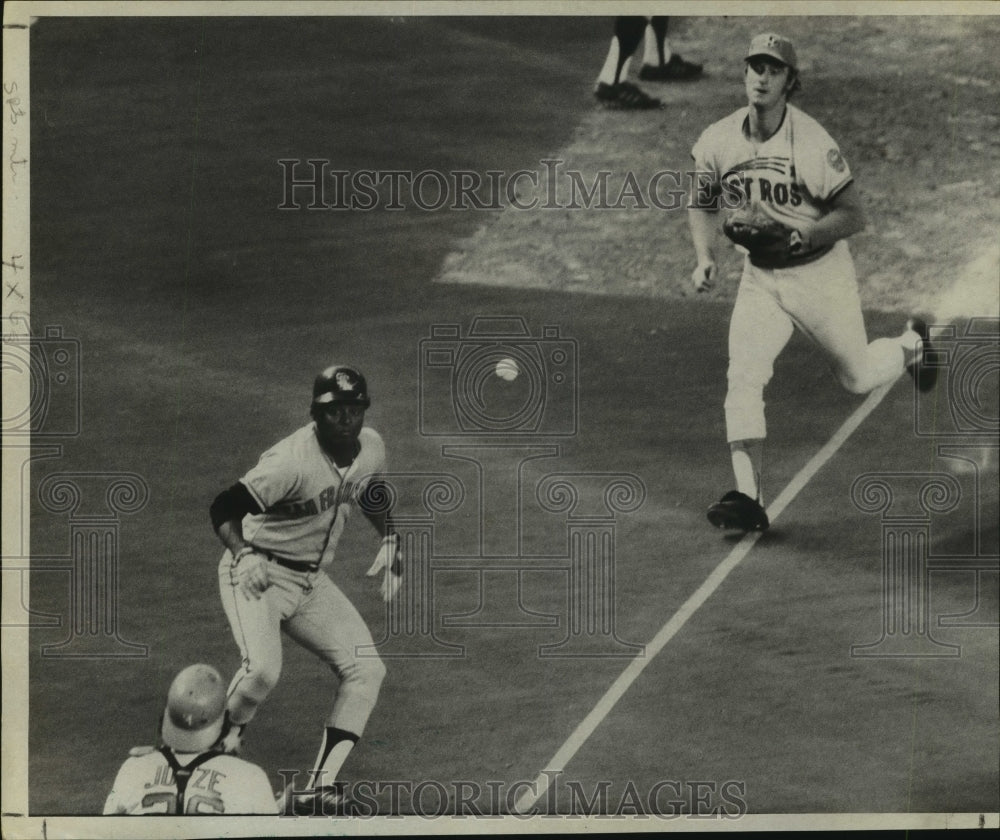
243 552
393 538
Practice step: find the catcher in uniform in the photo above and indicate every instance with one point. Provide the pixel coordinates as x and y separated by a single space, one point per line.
183 774
788 201
280 524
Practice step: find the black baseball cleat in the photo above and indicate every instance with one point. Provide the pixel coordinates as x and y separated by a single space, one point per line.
326 801
737 511
922 368
625 96
675 70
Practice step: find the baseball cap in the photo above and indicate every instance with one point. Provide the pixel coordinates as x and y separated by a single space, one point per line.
776 46
196 707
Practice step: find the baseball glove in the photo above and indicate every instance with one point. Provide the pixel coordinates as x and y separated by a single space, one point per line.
770 243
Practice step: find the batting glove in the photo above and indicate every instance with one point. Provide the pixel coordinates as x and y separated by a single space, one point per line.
249 573
388 558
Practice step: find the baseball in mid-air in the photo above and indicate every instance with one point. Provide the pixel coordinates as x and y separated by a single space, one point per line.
507 369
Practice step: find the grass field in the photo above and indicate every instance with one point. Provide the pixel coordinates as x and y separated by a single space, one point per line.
203 311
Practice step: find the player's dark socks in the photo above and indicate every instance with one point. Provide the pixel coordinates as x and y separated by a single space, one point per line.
332 737
629 31
659 24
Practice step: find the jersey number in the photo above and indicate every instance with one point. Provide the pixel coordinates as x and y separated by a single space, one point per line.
166 803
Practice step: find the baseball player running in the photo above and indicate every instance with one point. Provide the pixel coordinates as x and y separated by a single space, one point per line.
183 774
280 524
794 205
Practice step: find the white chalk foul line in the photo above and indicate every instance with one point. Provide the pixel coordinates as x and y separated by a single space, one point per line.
635 667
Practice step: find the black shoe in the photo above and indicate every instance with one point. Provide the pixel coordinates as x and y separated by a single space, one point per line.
738 511
326 801
675 70
625 96
922 368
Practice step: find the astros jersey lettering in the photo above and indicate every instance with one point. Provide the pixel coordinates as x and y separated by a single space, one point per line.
306 499
222 785
796 172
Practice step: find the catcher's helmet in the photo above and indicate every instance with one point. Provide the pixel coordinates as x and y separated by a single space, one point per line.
196 708
340 384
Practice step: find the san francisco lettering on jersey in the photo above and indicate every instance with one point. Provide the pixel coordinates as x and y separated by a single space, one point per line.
332 495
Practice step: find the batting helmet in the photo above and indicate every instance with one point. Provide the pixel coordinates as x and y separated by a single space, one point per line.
340 384
196 707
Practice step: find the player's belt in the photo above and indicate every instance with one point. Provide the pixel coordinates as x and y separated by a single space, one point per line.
793 261
294 565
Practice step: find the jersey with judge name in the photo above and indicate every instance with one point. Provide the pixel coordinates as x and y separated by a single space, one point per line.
224 784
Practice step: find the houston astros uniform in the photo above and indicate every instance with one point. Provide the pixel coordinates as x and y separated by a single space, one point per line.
291 509
218 784
795 173
796 176
184 773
